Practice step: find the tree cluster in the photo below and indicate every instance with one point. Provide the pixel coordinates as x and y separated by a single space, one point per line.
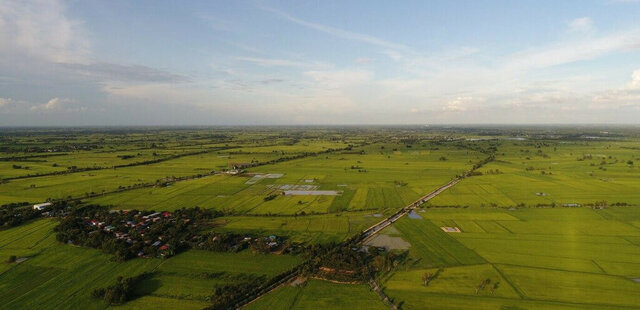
133 233
120 292
14 214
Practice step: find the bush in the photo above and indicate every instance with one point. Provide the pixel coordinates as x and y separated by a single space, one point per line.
270 197
12 259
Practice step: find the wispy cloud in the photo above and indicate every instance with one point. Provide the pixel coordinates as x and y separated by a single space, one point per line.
582 24
340 78
275 62
337 32
572 51
7 103
461 104
117 72
59 105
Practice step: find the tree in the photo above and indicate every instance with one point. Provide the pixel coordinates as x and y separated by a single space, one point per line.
426 278
12 259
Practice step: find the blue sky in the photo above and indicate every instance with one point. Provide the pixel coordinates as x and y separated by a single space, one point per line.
318 62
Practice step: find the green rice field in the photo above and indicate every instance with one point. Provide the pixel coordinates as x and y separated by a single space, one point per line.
546 222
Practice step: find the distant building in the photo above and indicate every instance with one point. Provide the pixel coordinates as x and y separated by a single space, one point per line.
42 206
240 166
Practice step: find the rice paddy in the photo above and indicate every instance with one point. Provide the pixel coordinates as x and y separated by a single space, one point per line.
548 224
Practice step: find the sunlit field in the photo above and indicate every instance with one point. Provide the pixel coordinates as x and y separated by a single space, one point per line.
532 223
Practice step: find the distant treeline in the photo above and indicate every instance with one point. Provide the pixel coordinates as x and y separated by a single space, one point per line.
74 169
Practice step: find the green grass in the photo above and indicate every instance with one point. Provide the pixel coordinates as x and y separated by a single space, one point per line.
78 184
431 247
311 228
373 190
155 302
460 280
603 176
194 262
317 294
544 258
574 286
62 276
57 276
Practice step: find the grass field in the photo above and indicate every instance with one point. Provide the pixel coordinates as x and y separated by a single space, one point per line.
415 171
317 294
541 258
78 184
312 228
56 276
552 172
59 276
514 231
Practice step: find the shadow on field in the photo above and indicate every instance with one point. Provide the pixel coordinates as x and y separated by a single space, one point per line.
147 287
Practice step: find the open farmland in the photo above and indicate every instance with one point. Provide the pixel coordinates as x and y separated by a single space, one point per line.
315 294
553 172
561 258
360 176
532 223
81 184
313 228
62 276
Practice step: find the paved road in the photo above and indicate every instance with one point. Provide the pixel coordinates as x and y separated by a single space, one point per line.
371 231
366 234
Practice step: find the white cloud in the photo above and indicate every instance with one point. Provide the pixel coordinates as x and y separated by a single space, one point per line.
340 78
582 24
363 60
59 105
40 29
572 51
274 62
5 102
628 95
116 72
53 104
336 32
461 104
635 79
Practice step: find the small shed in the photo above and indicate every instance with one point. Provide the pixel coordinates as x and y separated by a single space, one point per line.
42 206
